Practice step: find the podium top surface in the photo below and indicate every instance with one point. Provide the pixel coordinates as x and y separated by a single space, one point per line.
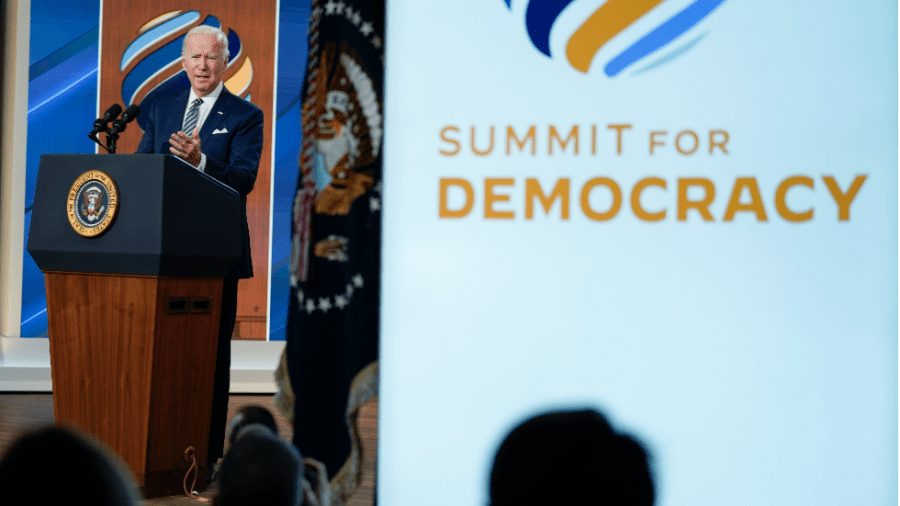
159 216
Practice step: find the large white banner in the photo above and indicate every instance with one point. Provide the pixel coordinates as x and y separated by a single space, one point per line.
682 213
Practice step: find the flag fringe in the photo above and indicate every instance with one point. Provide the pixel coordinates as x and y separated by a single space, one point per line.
363 389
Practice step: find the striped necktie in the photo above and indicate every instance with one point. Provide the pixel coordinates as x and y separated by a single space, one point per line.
190 121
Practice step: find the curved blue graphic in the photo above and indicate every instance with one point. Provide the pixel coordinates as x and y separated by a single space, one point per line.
661 36
234 47
540 15
149 67
539 18
672 55
156 34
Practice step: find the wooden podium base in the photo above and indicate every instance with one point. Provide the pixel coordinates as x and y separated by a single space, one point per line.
132 361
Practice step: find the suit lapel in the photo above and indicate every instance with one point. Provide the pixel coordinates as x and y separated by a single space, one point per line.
216 115
176 114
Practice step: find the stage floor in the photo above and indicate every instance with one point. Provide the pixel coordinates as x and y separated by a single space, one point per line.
22 411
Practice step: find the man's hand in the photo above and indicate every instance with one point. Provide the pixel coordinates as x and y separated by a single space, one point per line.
186 148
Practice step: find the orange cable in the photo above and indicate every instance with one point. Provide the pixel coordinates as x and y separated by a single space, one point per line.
190 457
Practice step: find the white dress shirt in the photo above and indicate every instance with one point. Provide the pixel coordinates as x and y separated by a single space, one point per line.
208 101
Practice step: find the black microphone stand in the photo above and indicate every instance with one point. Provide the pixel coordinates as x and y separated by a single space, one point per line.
94 138
112 136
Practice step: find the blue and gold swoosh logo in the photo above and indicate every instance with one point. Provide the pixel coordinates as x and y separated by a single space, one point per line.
609 20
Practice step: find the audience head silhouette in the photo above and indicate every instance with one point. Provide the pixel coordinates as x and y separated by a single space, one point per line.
259 468
250 415
60 465
570 457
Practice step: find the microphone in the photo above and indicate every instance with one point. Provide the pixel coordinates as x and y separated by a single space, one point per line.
112 135
127 117
101 123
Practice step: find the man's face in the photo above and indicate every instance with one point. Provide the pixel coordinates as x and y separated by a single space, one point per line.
203 62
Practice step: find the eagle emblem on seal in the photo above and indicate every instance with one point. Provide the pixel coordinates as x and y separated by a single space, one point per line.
92 203
347 131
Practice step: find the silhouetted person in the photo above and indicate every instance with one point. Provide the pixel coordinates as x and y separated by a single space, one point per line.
570 458
261 468
59 465
250 415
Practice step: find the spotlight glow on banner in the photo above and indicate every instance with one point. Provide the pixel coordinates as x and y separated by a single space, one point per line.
682 213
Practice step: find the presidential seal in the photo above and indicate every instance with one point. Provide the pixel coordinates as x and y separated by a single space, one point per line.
92 204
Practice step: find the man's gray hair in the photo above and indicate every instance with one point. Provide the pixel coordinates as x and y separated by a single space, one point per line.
207 30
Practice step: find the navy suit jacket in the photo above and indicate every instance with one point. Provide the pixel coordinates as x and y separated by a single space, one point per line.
232 154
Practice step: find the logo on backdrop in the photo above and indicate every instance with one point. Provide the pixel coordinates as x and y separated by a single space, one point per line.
92 203
609 20
652 32
150 57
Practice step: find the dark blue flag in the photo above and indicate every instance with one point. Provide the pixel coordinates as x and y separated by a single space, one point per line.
333 324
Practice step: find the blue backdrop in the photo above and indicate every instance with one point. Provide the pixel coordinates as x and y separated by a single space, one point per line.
62 105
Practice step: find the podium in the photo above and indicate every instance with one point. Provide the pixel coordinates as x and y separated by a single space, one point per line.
134 250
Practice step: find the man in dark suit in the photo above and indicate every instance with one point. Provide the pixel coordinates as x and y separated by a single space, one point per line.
221 135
